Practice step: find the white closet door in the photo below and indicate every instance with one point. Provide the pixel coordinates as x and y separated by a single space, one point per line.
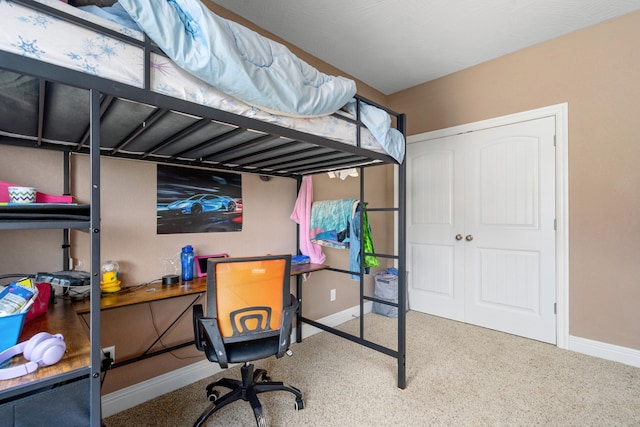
494 189
510 213
435 210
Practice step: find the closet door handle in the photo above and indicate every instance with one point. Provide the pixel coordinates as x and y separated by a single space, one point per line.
458 236
468 237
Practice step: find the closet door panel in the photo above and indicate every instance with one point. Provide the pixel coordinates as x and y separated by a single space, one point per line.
436 193
509 214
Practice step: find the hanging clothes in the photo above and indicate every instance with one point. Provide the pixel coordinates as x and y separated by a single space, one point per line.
302 216
358 238
369 260
330 221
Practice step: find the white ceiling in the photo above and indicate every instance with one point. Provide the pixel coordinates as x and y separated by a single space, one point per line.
395 44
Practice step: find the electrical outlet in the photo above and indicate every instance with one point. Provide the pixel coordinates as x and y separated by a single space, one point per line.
332 295
112 353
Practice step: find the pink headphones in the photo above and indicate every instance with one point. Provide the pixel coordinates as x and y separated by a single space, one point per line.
43 349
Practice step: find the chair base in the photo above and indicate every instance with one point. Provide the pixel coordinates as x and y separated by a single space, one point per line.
253 382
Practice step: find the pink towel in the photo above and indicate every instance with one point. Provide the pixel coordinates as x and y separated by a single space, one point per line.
302 215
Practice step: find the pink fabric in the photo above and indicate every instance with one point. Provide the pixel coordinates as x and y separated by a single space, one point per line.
40 197
50 198
302 215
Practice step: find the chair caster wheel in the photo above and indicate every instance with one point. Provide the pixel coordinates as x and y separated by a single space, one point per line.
213 395
299 405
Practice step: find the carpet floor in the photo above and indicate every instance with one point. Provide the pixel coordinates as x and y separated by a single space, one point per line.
457 375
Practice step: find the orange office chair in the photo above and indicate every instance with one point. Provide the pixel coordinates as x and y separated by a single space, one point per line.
249 317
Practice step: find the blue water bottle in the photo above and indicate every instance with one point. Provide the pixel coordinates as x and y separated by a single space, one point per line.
187 260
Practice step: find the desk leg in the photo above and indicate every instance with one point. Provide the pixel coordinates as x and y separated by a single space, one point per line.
299 313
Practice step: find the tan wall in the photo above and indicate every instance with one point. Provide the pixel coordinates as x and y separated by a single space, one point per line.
128 235
128 198
128 220
596 72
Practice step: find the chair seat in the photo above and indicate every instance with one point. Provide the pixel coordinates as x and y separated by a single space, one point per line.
246 351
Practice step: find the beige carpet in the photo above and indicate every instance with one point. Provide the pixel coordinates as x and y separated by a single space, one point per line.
457 375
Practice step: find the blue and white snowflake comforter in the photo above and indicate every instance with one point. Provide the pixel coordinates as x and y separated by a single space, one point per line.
237 60
37 35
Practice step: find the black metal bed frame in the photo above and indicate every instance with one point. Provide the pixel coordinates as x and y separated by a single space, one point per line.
264 149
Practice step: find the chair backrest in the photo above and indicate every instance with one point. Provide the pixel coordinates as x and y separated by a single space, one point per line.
247 295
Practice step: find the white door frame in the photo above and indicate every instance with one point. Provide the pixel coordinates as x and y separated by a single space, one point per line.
560 112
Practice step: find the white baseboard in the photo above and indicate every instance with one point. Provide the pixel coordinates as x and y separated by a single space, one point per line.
625 355
336 319
144 391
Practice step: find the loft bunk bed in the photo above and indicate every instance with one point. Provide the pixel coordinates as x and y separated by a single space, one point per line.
145 107
156 111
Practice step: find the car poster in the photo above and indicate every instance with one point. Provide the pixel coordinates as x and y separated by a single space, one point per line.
198 201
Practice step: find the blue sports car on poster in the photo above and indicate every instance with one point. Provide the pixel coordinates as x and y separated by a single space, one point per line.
200 203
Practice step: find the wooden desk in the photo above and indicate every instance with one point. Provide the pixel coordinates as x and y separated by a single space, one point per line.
63 318
156 291
60 318
307 268
147 293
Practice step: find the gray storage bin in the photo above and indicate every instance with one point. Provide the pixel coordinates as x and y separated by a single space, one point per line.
386 288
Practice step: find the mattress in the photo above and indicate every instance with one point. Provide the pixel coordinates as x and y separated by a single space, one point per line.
47 38
44 211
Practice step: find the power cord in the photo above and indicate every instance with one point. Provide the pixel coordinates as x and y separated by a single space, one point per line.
105 365
6 276
107 361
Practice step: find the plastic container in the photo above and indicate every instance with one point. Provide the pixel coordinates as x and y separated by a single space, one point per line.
11 326
187 257
22 195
